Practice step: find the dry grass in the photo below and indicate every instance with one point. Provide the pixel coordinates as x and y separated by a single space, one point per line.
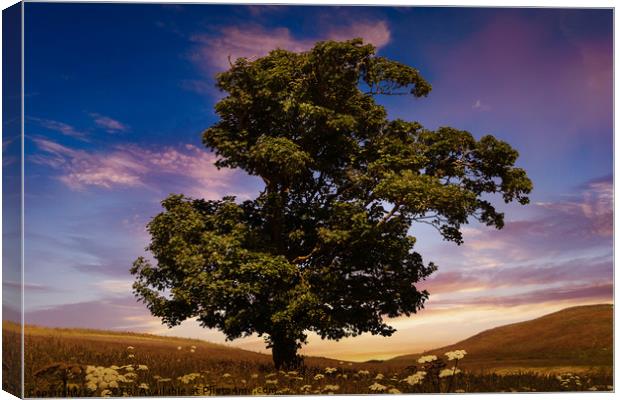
579 338
56 363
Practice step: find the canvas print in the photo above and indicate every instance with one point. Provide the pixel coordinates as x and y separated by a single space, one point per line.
306 200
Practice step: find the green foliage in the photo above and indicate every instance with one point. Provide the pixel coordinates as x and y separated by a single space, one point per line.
325 246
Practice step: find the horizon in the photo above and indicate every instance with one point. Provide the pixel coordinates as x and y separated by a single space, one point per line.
231 344
114 107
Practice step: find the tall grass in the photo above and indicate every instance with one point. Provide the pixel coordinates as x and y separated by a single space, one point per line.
64 363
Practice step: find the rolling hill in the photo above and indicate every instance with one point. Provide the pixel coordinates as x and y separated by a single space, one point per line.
576 336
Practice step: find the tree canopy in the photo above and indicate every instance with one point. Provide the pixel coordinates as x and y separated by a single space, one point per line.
326 247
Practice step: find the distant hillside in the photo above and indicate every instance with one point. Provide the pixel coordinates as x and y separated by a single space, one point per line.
576 336
81 341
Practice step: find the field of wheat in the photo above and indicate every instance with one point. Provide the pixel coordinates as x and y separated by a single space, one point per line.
60 363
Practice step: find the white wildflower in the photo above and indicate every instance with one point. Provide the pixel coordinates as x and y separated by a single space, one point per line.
377 387
416 378
318 377
363 372
425 359
329 370
379 377
331 388
449 372
394 391
144 386
258 391
130 347
106 393
456 354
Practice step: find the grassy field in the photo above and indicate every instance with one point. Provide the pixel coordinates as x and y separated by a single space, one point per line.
61 362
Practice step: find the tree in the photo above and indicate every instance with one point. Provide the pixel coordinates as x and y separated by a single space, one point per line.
325 247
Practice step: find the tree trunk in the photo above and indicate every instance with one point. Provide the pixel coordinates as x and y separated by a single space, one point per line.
284 352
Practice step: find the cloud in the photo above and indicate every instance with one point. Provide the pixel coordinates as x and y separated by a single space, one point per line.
520 65
602 292
197 86
536 273
108 124
563 247
231 42
480 106
571 224
115 286
59 127
27 286
188 168
111 314
81 169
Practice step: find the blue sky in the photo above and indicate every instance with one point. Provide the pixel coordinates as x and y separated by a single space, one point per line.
118 94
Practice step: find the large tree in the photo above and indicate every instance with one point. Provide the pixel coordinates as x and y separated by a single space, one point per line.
326 247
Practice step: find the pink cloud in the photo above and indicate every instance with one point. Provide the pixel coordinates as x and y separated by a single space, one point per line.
116 313
573 224
134 166
232 42
553 90
576 271
109 124
598 292
60 127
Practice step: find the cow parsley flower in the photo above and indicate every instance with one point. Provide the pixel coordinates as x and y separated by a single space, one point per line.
377 387
456 354
425 359
318 377
416 378
449 372
329 370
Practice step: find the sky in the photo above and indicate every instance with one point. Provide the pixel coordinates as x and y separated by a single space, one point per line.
117 95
